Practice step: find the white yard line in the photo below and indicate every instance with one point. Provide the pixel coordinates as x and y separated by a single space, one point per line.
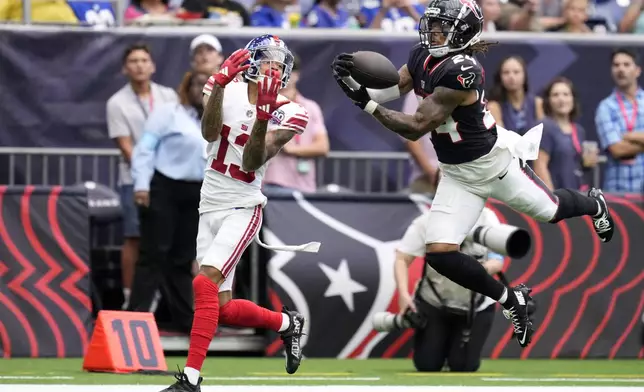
36 378
563 379
293 388
296 378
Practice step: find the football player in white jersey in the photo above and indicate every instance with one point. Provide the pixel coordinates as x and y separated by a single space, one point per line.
246 123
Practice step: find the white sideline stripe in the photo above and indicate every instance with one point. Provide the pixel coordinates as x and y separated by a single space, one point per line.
36 378
564 379
299 388
295 378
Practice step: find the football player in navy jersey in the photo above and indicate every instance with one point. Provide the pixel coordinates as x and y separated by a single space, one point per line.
477 159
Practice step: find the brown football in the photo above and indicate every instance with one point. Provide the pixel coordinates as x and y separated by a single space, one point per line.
373 70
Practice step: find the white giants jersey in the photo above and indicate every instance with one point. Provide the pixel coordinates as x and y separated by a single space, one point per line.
225 184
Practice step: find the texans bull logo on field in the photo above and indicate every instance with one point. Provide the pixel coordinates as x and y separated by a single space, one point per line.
339 289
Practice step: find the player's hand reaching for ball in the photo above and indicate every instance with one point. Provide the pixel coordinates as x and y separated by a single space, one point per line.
268 88
359 96
342 64
232 66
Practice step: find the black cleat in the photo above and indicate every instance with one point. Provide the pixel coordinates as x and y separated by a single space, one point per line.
518 314
183 385
291 338
604 226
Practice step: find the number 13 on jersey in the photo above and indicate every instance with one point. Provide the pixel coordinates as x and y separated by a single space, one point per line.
233 170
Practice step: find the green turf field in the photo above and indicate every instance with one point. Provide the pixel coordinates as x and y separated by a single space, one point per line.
373 372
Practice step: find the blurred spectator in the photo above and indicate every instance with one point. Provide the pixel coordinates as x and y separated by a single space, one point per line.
633 21
271 13
127 110
491 13
294 167
140 8
94 13
620 126
205 51
519 15
167 167
562 156
423 162
391 15
575 15
51 11
611 11
510 101
228 13
552 9
329 14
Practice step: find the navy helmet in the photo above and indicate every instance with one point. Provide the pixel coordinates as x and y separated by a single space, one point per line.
268 48
459 21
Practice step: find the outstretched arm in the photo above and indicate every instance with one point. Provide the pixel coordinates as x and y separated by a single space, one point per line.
212 118
263 145
432 112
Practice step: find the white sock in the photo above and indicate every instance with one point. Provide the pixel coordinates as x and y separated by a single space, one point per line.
599 209
286 322
126 299
193 375
504 296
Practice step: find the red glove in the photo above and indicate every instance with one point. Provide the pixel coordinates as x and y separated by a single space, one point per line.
267 90
232 66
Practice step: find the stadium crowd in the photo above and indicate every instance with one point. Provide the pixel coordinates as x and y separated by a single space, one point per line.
575 16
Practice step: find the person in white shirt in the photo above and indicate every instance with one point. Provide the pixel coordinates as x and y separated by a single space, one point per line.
127 111
458 320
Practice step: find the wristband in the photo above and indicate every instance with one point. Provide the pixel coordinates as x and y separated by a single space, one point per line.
385 94
370 107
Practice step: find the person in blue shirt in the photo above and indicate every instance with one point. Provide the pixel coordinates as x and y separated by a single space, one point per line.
94 13
168 165
271 13
391 15
327 14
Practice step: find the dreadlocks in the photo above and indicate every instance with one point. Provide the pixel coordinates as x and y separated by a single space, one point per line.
480 47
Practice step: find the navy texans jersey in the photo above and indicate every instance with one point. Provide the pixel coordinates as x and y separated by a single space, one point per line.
470 132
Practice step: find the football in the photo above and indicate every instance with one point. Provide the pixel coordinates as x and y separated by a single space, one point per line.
373 70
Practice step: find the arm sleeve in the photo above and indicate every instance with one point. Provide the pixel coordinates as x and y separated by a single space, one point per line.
413 242
414 58
547 142
291 116
144 153
116 122
458 75
607 125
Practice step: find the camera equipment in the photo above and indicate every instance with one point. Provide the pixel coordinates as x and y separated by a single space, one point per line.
386 322
505 239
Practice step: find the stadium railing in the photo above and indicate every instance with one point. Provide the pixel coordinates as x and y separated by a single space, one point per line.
365 171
